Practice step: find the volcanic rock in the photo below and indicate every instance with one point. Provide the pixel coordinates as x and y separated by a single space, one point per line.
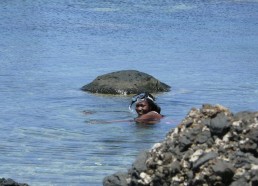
10 182
211 146
126 82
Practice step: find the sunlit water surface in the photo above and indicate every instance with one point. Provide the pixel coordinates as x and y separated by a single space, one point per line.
52 133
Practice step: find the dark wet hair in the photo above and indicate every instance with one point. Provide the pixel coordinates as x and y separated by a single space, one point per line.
153 106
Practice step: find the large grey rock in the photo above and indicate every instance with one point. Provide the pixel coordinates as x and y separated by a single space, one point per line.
126 82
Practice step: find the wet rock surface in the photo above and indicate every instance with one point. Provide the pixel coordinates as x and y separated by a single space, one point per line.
126 82
10 182
211 146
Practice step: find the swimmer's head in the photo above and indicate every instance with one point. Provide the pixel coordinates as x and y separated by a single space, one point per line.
150 99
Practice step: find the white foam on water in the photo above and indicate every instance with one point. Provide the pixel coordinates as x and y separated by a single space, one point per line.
180 7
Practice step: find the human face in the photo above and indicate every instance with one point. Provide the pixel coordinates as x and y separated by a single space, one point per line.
142 108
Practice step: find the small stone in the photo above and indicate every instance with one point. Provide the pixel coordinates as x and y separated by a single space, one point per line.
253 135
184 143
175 167
203 137
224 170
219 125
240 182
203 159
145 177
188 122
119 179
167 158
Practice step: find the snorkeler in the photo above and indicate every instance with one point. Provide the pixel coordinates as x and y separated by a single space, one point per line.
148 111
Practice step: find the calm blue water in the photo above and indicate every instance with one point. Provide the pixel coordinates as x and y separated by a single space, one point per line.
207 51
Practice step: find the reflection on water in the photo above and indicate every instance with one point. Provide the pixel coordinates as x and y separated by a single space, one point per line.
52 133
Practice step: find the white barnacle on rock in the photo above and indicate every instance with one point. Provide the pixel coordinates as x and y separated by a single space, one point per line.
236 123
193 113
254 167
177 178
209 150
239 172
156 146
159 162
128 180
185 183
228 146
183 128
245 131
196 155
175 131
224 158
206 171
219 142
205 128
253 125
242 142
227 137
145 178
160 169
235 134
185 164
197 176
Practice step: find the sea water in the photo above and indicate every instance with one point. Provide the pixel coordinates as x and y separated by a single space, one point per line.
52 133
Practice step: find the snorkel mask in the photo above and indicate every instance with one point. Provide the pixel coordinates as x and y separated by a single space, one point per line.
141 97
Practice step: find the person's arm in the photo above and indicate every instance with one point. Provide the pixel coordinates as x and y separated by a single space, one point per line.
149 118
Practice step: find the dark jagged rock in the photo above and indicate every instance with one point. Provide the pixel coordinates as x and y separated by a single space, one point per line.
224 170
219 125
115 179
203 159
139 165
10 182
126 82
211 146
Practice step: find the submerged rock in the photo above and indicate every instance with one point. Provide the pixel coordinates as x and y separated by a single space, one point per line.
126 82
10 182
211 146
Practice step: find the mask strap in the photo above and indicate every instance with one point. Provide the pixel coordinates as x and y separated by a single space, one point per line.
130 106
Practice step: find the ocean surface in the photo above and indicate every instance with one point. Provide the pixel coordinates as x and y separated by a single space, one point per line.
52 133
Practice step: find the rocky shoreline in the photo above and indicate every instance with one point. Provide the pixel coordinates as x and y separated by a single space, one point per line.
211 146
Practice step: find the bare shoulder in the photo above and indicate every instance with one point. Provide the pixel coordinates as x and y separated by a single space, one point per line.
149 118
154 114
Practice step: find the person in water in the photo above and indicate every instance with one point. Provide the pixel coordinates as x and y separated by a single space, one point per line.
148 111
